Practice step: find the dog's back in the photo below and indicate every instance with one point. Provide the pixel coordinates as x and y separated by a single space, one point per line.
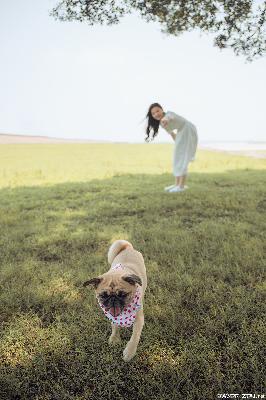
122 251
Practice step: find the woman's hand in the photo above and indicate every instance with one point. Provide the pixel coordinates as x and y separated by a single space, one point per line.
164 122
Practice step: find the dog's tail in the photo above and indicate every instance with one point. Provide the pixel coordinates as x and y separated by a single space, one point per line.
116 247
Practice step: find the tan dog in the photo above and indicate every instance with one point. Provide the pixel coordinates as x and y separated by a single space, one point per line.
120 293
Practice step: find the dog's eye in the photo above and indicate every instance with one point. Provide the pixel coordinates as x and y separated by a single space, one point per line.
122 294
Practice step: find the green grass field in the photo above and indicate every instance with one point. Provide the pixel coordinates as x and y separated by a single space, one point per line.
205 327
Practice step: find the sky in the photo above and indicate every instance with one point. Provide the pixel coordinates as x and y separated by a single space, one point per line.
72 80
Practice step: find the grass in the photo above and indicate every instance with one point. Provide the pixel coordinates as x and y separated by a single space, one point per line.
204 333
46 164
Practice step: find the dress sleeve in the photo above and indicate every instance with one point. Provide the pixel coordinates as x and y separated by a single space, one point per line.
168 117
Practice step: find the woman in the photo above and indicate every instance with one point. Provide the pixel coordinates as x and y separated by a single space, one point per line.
186 140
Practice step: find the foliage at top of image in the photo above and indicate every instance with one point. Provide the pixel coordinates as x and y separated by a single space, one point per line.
237 24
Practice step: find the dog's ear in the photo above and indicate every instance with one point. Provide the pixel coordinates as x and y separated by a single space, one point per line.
132 279
94 282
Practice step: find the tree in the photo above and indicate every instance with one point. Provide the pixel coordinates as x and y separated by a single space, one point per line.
237 24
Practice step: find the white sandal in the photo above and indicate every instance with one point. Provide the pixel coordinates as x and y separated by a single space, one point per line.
167 188
177 189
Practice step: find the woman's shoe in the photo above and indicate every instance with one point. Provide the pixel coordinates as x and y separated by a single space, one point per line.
176 189
167 188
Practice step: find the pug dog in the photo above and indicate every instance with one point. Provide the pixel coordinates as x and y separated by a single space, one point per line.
120 293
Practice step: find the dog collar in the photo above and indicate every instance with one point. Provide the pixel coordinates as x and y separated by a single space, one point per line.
128 315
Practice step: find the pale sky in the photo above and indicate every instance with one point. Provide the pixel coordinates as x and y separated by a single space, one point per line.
71 80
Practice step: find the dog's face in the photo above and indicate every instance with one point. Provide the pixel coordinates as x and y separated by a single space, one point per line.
114 291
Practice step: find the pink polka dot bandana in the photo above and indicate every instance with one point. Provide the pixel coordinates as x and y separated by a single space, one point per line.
118 266
127 317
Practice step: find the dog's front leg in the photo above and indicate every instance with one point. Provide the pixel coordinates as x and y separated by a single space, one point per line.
132 345
115 335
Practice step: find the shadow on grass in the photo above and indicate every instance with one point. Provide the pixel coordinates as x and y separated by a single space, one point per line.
204 331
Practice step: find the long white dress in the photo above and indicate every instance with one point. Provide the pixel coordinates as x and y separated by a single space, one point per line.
185 143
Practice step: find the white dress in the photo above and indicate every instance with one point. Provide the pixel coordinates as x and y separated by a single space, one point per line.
185 143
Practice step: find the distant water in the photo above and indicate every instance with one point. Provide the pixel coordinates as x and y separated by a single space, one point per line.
233 146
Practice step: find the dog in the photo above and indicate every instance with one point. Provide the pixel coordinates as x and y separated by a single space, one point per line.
120 293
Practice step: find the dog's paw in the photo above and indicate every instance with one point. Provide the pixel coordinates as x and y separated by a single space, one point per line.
113 340
129 352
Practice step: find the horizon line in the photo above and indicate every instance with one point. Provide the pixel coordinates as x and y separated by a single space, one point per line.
84 140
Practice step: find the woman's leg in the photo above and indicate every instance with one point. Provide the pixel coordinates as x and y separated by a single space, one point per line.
177 180
182 180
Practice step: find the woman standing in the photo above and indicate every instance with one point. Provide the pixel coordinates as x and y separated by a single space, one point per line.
186 140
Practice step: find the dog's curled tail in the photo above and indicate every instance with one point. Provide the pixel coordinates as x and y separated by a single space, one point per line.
116 247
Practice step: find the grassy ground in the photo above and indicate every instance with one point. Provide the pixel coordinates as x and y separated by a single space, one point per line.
204 333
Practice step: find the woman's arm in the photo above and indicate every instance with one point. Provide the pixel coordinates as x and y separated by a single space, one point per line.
173 134
164 123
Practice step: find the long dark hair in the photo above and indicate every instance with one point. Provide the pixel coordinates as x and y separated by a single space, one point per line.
152 123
